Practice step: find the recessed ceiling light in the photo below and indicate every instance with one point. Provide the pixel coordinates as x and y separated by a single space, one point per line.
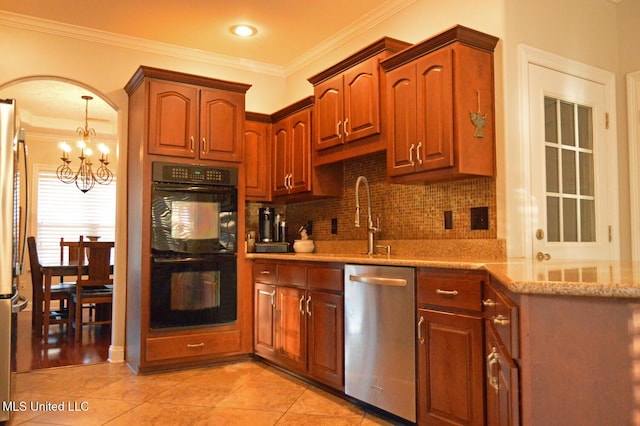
243 30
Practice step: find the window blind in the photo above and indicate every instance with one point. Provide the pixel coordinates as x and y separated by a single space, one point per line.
63 211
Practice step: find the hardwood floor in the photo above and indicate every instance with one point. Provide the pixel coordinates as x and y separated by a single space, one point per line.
60 349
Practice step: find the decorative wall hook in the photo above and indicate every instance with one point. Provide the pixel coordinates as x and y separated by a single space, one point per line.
479 120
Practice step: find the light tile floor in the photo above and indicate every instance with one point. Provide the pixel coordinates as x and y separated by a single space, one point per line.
241 393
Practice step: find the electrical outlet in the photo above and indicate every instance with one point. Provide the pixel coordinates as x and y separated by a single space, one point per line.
334 225
448 219
480 218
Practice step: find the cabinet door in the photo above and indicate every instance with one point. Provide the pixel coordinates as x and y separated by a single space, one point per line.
329 113
291 328
325 332
450 369
502 384
264 327
173 117
221 124
362 101
281 155
434 149
401 116
300 151
257 161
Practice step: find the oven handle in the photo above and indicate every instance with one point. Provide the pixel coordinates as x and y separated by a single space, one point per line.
187 187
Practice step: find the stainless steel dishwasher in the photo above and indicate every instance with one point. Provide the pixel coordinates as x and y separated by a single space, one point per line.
379 303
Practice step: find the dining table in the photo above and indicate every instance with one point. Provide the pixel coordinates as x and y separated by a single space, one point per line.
42 296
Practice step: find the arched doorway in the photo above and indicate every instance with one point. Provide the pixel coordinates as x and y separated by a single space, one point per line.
50 109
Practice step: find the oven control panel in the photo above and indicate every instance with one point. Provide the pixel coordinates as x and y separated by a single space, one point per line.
191 173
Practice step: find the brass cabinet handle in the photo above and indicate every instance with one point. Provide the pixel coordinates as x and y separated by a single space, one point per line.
411 154
300 304
192 143
346 132
308 308
500 320
204 145
447 292
338 129
195 345
492 359
420 337
488 302
272 295
418 152
265 272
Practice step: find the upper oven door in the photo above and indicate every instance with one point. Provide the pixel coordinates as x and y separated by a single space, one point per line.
193 219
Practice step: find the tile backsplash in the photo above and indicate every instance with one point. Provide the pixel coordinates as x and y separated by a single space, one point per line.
406 212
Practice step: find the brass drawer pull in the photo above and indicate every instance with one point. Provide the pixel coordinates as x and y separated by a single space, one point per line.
195 345
488 302
447 292
265 272
500 320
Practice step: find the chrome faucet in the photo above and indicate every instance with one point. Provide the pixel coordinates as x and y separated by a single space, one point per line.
371 230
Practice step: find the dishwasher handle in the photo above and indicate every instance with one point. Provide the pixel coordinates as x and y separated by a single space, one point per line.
368 279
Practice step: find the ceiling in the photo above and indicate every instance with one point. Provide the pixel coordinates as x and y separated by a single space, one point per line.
198 25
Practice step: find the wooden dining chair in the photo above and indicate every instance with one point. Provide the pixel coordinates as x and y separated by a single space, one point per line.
60 314
69 251
94 285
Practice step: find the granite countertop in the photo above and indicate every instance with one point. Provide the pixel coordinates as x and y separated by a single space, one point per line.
564 278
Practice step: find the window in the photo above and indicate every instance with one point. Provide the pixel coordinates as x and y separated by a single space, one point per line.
63 211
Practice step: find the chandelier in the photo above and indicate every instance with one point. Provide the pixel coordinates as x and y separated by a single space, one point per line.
84 177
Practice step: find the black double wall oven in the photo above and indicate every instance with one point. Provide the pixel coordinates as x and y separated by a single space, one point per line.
194 217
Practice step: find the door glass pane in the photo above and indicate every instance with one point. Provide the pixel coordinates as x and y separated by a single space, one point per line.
585 127
569 168
553 219
553 184
551 120
567 126
587 220
568 171
569 219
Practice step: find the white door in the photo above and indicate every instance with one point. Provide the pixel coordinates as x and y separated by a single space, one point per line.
572 205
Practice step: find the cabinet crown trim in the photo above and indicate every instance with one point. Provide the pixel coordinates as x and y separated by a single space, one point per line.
293 108
385 44
459 33
180 77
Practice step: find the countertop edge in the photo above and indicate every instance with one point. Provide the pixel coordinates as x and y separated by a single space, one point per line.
499 270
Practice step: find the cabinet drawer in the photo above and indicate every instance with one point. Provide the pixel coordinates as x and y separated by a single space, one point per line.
324 278
459 290
292 274
505 322
265 273
192 345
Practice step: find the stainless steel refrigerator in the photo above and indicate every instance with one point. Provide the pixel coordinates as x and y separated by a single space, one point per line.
12 233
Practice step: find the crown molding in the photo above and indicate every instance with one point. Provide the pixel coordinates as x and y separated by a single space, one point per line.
349 33
110 39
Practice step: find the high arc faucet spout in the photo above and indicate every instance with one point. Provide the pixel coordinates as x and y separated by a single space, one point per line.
371 230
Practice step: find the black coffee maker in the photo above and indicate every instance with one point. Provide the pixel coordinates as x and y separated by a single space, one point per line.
266 222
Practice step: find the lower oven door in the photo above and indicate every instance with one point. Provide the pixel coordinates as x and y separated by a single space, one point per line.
193 292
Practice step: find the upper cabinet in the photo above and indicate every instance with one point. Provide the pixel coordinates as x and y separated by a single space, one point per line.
440 108
191 116
295 178
257 156
348 104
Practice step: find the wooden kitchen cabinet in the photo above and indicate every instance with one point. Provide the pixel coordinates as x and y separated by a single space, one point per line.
193 117
348 104
450 347
257 157
440 108
501 350
307 319
293 177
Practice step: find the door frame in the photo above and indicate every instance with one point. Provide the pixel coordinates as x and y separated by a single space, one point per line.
633 124
530 55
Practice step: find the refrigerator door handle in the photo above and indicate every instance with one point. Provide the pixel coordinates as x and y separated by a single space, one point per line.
20 306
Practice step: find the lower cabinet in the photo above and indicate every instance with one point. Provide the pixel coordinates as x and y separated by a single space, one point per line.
450 347
299 319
